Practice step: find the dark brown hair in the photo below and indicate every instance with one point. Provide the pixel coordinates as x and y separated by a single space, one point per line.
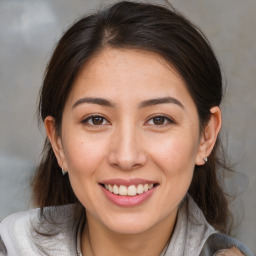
136 26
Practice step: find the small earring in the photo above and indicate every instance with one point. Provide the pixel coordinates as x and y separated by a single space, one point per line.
205 159
63 172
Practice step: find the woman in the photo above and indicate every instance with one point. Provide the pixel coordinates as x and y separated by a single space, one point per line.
130 103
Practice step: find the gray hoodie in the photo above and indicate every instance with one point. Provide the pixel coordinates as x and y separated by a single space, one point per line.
193 235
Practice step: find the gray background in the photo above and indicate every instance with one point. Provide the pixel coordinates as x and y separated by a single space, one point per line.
30 28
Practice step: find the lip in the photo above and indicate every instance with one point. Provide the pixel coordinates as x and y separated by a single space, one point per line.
129 182
128 201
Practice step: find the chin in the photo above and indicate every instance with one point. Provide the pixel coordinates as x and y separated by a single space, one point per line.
129 229
129 224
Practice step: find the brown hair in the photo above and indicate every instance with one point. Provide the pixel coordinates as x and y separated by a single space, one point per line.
136 26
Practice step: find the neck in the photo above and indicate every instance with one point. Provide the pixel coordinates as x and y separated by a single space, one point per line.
148 243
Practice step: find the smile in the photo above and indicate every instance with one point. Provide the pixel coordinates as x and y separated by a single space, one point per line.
128 193
131 190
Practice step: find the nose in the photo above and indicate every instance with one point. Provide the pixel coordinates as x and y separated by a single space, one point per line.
126 151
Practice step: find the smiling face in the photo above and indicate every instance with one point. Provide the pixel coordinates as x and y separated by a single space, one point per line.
129 126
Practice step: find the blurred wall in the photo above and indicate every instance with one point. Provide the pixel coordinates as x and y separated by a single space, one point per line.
29 30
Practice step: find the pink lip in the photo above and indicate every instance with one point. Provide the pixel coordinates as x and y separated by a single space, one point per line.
128 201
127 183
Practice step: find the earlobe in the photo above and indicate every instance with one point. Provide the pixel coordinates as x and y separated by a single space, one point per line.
55 140
209 136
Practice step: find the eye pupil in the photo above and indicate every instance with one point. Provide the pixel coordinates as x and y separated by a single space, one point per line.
159 120
97 120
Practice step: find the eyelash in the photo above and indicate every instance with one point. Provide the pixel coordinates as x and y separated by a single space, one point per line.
86 120
167 120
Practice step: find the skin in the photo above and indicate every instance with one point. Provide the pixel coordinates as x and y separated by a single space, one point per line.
129 142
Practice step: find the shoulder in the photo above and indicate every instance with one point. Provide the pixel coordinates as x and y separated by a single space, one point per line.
26 233
233 251
222 245
211 242
15 231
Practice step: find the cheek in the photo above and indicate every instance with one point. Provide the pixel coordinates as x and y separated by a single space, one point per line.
83 154
174 159
174 152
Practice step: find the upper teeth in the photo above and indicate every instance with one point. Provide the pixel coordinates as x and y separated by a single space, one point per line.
130 191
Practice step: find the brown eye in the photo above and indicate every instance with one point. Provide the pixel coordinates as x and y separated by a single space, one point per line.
95 120
159 120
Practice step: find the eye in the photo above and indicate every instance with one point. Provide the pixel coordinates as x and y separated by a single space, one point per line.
95 120
160 120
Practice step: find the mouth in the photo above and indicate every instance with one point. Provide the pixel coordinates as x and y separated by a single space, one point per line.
131 190
129 193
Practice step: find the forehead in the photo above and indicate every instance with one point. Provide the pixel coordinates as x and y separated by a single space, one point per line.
128 73
128 62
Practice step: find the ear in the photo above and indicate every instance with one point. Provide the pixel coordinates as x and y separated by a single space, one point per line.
209 135
56 142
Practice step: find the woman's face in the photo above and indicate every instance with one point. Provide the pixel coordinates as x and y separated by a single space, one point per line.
129 124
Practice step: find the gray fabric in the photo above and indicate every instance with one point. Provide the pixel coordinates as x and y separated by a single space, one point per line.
192 234
191 231
217 242
19 236
3 250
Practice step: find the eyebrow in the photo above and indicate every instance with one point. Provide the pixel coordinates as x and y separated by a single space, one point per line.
143 104
98 101
152 102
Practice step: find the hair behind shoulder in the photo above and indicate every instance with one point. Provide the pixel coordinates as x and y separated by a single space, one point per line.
136 26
